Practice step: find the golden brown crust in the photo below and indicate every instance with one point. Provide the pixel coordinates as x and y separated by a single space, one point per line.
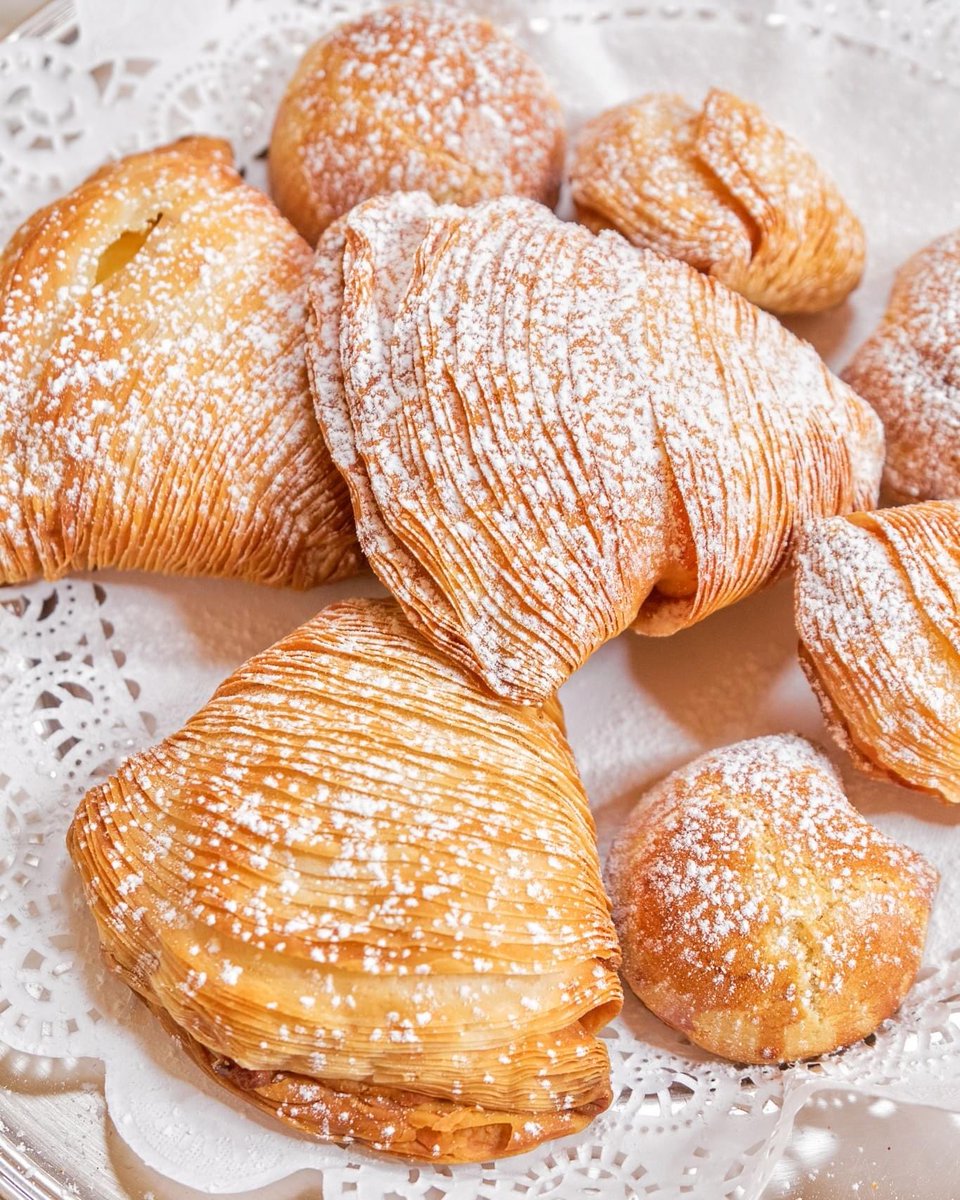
834 721
412 98
724 190
422 1127
877 597
909 370
758 912
154 406
550 436
356 877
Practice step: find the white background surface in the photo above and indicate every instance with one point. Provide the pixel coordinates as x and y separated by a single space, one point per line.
847 1147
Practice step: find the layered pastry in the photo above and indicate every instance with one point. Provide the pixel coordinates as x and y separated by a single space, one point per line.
727 191
758 912
413 97
909 370
877 604
549 436
154 406
365 895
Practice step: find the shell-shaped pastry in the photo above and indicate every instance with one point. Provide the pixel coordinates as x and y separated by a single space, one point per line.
758 912
909 370
366 896
154 406
725 190
413 97
549 435
877 604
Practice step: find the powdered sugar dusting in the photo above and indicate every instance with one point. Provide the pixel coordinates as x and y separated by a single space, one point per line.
909 370
154 406
546 432
354 866
759 911
877 602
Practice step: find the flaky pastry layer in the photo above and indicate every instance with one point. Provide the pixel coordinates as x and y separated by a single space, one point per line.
154 406
366 895
909 370
549 436
877 598
725 190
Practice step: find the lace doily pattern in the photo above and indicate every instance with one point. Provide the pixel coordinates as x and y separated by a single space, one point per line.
75 713
80 661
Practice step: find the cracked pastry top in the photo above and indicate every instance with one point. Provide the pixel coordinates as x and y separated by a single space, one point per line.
758 912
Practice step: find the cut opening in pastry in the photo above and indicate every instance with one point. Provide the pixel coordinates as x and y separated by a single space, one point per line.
148 272
124 248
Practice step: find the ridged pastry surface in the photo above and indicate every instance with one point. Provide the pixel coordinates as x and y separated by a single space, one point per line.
413 97
877 603
365 894
727 191
549 435
909 370
154 406
758 912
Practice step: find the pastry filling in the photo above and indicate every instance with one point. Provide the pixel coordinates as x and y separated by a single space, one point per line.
124 248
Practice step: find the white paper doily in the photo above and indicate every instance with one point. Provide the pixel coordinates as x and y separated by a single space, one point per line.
90 671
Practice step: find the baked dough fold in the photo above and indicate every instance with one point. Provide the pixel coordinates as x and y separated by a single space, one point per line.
154 406
909 370
727 191
877 603
549 436
365 894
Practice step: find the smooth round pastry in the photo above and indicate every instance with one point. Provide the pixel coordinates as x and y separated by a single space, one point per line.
413 98
909 370
155 413
878 614
550 436
365 895
758 912
727 191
